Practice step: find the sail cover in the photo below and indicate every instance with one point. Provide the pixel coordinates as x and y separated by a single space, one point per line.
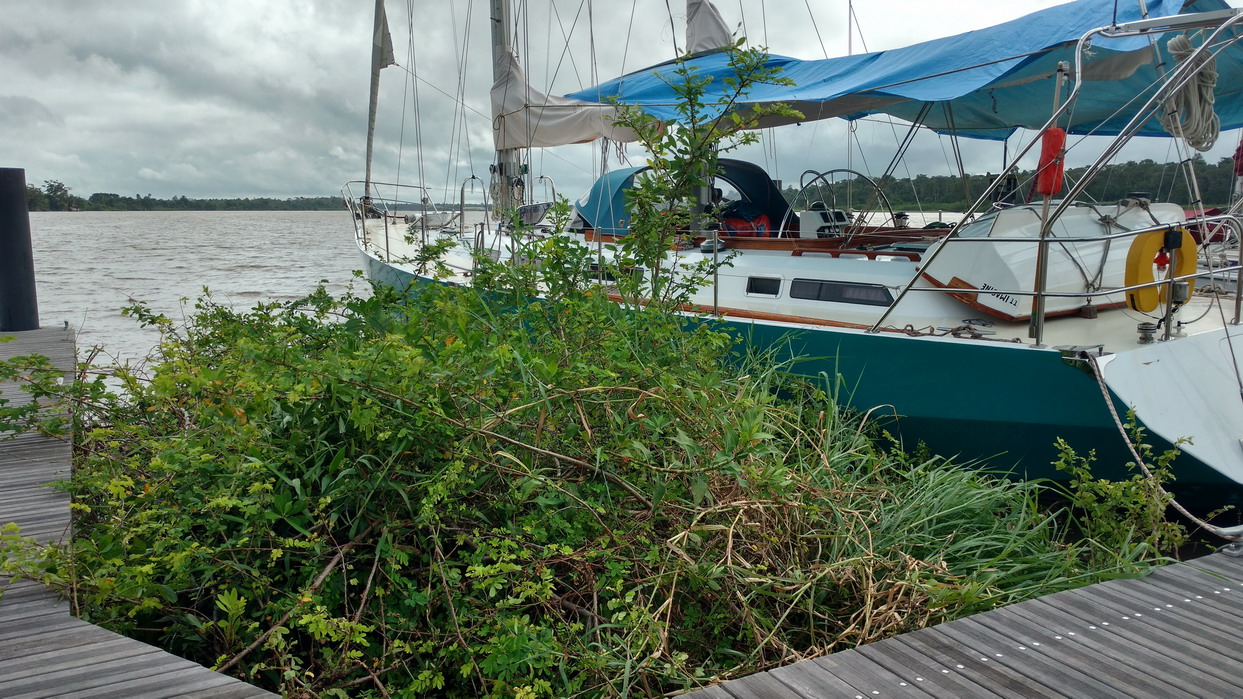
705 30
523 117
981 84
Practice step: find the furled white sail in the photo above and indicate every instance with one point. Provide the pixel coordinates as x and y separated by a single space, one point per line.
381 57
523 117
705 30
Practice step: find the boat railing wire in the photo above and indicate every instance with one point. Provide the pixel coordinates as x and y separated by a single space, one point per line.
392 210
1222 23
1211 223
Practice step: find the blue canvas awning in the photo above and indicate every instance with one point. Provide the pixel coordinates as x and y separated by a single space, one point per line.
983 83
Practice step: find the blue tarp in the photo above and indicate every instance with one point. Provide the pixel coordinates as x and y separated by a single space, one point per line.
982 83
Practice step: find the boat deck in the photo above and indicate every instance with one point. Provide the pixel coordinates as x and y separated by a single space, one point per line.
44 650
1175 633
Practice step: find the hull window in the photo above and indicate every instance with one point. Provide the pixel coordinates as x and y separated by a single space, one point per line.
763 286
841 292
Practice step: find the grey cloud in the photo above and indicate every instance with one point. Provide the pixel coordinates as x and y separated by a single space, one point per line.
231 97
18 112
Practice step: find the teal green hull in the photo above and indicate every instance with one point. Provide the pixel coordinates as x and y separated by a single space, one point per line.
1003 405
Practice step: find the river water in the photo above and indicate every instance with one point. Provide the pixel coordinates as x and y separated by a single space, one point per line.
88 265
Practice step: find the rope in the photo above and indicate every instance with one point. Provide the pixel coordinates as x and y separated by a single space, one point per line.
1228 533
1189 112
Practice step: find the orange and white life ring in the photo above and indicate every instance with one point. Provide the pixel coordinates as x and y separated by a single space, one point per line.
1139 264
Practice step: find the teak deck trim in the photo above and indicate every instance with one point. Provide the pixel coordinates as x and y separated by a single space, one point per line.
44 651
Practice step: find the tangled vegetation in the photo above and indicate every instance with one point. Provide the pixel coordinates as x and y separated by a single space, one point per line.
443 495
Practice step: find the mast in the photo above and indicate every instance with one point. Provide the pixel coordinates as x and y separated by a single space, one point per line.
381 57
508 168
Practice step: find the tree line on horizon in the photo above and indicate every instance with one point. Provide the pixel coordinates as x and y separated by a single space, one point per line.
1159 181
55 196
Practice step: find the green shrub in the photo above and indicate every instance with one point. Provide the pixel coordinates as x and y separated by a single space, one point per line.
442 495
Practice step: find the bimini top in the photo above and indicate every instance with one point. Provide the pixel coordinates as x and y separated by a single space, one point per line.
604 207
982 84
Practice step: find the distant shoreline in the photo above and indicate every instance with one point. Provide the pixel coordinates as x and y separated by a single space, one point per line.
239 209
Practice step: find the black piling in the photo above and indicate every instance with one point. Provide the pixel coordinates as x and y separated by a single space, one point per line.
19 304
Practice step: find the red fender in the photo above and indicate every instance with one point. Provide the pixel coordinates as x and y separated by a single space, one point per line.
1049 174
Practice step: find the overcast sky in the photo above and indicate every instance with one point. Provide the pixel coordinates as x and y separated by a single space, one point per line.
242 98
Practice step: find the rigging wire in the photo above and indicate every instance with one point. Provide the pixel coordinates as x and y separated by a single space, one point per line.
742 13
764 17
525 13
903 147
460 114
816 27
565 42
412 90
962 172
858 30
626 47
673 30
595 75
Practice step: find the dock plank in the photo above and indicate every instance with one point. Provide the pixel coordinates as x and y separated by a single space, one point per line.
1174 633
45 651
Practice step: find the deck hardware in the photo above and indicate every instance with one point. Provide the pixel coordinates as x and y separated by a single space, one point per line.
1079 356
1182 293
1147 332
965 331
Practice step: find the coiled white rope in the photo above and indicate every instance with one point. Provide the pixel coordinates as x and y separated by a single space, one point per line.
1189 112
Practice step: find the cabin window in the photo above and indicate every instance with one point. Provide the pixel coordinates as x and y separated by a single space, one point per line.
841 292
764 286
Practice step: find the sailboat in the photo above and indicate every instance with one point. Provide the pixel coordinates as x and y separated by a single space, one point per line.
1030 322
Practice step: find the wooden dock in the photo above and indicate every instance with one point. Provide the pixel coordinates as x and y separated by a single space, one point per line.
1175 633
44 651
